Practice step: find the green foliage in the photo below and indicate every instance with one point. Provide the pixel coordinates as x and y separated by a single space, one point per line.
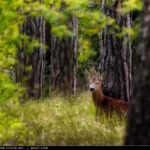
9 35
12 12
131 5
12 16
57 12
90 21
56 121
13 129
59 121
7 88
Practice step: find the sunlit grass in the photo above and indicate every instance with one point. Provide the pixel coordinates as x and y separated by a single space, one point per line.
59 121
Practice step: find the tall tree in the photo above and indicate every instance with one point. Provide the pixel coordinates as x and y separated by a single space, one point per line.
32 78
115 54
64 60
138 131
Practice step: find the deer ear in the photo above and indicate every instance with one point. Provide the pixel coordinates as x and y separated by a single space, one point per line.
103 75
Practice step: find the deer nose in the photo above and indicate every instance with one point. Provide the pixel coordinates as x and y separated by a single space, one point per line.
92 89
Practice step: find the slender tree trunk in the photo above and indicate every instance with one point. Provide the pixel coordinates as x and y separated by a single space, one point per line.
64 61
30 67
46 84
138 131
115 55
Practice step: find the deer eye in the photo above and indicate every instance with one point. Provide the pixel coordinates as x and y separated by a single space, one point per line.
97 83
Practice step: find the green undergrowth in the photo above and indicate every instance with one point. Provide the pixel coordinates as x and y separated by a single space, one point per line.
58 121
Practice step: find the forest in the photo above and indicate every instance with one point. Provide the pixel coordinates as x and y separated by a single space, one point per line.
74 72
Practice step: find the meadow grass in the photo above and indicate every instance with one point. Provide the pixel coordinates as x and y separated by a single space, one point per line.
59 121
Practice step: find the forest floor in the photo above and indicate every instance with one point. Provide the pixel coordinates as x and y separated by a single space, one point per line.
58 121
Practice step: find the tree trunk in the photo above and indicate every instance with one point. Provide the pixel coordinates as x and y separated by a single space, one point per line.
64 61
46 84
32 79
138 131
115 55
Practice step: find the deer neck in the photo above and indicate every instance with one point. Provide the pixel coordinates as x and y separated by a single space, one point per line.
98 96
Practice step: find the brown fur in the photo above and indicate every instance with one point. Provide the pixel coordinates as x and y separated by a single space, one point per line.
107 104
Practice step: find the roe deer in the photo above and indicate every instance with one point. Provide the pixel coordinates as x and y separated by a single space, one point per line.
107 104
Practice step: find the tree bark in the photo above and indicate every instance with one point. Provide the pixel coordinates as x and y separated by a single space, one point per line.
115 55
32 79
64 61
138 131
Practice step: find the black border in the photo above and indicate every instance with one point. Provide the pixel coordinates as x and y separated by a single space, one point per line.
68 147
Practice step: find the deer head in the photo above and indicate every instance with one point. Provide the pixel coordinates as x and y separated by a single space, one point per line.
95 79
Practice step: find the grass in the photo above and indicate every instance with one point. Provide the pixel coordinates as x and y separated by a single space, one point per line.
58 121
